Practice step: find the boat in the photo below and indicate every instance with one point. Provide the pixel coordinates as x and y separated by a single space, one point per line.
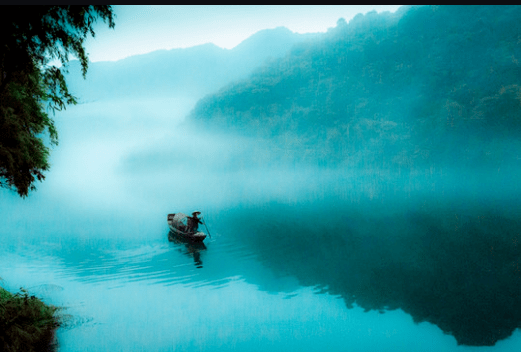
178 226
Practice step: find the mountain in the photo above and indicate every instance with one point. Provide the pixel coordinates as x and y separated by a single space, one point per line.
194 71
426 85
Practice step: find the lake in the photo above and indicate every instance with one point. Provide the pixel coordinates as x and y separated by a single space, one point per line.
299 258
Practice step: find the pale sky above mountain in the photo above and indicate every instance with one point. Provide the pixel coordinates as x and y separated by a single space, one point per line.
143 29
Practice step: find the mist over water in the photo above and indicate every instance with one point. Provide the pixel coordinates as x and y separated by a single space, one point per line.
302 256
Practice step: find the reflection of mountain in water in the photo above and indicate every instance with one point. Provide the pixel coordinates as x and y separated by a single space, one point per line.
453 263
458 269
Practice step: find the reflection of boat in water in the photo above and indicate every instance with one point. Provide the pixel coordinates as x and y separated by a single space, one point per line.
193 249
191 245
178 224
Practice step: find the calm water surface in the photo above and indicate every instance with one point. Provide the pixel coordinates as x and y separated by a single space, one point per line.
300 259
242 290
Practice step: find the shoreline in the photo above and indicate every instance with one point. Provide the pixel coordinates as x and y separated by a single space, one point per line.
26 322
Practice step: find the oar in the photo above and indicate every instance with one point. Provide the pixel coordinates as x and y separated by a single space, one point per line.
204 223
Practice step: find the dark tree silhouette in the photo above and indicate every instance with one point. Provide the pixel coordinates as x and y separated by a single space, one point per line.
30 87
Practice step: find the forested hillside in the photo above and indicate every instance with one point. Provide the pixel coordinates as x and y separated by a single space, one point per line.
425 86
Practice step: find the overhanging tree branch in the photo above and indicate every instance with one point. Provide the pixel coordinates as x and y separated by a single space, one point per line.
31 38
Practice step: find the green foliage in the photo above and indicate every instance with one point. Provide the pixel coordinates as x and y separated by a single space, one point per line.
426 84
30 87
26 323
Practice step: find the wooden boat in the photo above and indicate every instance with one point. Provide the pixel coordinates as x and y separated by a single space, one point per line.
178 226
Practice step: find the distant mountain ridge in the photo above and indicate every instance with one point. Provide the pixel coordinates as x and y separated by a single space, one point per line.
194 71
426 84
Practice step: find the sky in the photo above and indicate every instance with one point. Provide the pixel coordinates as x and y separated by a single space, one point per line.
143 29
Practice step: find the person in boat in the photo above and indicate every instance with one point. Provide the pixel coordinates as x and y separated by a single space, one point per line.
193 222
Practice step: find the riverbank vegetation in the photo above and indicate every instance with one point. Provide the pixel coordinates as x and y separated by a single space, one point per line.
26 323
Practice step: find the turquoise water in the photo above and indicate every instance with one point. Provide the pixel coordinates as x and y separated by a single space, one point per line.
256 284
299 258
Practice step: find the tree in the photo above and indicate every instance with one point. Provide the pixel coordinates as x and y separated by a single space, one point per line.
31 88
